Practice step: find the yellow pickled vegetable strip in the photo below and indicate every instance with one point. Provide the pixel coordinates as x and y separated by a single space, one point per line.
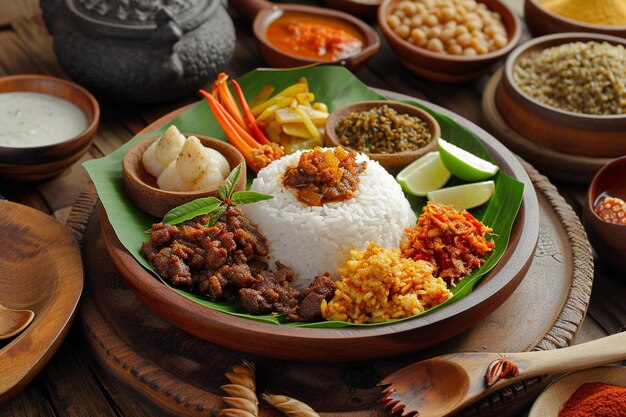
263 95
269 111
305 98
289 116
308 123
287 92
320 107
297 130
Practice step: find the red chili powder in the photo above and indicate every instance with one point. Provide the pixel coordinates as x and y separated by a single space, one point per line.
596 399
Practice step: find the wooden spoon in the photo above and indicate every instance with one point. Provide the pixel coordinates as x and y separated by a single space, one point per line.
443 385
263 12
13 321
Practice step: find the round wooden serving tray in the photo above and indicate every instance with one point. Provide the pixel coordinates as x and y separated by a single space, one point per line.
347 344
178 374
573 168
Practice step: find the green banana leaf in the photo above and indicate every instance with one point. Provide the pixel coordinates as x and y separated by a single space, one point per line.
336 87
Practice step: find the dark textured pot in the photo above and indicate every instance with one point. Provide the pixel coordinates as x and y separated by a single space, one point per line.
148 51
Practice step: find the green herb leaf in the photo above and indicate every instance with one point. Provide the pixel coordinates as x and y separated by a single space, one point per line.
191 209
226 190
240 198
216 214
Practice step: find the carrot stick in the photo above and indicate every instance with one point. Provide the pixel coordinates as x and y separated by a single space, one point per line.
251 121
227 100
233 137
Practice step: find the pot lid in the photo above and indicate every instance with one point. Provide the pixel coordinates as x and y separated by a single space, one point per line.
138 18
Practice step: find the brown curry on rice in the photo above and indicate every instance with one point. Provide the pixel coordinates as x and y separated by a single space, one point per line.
325 176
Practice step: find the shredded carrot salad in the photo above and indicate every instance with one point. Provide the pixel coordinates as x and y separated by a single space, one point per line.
453 241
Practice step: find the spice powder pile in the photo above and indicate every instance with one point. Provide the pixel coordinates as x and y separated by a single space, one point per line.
596 399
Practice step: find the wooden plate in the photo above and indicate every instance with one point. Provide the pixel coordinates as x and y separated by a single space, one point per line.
40 270
552 399
573 168
175 373
348 344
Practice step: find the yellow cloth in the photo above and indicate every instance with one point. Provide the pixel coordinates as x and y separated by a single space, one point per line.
599 12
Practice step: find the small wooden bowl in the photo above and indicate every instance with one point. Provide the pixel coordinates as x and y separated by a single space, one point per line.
393 162
543 22
141 187
560 130
278 58
42 162
608 239
449 68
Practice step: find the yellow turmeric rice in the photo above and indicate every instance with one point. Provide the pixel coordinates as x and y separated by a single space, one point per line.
379 284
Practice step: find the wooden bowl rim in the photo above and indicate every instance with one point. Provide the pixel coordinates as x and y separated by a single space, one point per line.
132 174
516 31
523 244
423 115
593 194
583 25
266 16
557 39
92 123
43 336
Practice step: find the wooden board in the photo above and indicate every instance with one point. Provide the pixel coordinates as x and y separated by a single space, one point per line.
178 374
40 270
555 164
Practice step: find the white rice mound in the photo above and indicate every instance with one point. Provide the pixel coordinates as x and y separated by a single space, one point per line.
315 240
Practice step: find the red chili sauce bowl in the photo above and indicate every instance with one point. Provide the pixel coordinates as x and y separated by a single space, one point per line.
608 239
278 53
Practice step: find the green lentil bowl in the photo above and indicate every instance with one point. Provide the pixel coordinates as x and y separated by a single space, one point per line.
393 131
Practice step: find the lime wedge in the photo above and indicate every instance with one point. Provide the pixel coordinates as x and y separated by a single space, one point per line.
464 196
463 164
423 175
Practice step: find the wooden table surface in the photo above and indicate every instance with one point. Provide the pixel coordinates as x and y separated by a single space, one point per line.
72 384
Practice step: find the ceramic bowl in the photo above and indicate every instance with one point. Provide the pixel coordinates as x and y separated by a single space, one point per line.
543 22
42 162
560 130
444 67
141 187
608 239
392 162
278 58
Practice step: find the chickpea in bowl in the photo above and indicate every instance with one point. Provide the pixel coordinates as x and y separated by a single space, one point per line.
455 27
449 40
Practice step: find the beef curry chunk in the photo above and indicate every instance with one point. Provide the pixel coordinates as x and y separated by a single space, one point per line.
226 261
271 292
322 288
213 260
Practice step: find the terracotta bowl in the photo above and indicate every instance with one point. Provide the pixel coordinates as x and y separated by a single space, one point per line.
560 130
141 187
42 162
608 239
392 162
543 22
443 67
278 58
